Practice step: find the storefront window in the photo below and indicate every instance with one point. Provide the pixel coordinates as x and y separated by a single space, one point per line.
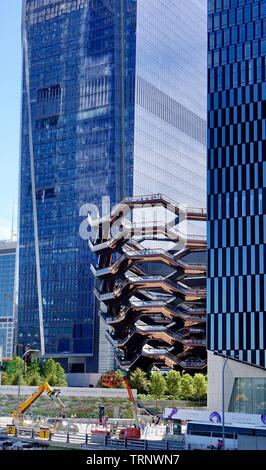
249 396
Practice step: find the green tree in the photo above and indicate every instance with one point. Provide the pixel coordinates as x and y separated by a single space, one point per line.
119 376
173 384
49 372
16 377
34 367
33 375
34 379
53 373
157 385
61 380
20 366
5 379
199 386
138 379
187 386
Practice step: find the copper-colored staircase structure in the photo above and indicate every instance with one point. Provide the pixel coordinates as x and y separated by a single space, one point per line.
153 299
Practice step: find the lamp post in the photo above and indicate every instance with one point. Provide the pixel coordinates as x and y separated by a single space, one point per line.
234 358
30 351
223 412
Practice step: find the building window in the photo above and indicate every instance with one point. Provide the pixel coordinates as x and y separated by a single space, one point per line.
51 93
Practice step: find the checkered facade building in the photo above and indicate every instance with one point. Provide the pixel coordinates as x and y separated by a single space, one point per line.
236 284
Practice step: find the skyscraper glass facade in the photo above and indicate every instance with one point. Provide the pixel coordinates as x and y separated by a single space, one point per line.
237 179
117 109
7 279
171 94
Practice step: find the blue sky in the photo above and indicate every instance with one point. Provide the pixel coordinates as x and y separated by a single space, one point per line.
10 57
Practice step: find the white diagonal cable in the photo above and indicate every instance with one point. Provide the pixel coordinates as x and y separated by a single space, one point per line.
33 184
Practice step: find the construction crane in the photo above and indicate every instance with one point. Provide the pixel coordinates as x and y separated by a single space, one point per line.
110 380
45 387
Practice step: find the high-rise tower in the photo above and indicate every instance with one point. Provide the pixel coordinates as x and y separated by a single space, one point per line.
236 292
7 307
116 91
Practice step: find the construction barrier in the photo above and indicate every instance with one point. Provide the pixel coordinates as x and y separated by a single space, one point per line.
11 429
87 440
44 433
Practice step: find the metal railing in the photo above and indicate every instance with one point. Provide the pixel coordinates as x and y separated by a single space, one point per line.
88 440
206 440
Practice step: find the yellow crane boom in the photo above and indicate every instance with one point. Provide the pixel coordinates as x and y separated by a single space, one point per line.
45 387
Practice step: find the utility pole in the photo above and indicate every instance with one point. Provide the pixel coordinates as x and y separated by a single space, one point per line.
30 351
223 411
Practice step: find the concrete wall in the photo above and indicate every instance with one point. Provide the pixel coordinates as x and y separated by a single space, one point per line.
82 380
72 392
106 350
233 370
251 443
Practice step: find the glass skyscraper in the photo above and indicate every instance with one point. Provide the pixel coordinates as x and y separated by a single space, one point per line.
170 101
237 182
7 280
237 179
117 93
